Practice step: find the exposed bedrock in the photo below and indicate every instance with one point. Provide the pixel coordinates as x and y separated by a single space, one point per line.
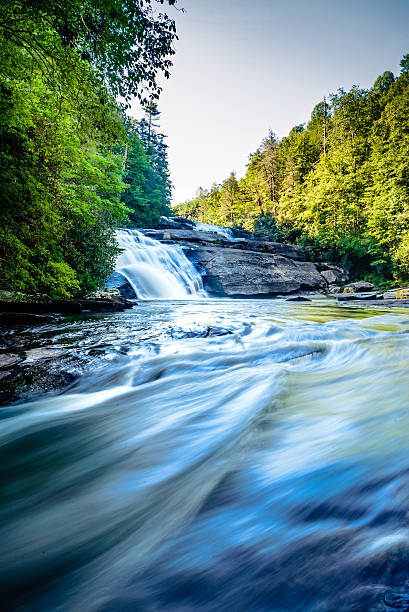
242 264
244 273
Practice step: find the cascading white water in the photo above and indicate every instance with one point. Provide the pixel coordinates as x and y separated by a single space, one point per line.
226 232
155 270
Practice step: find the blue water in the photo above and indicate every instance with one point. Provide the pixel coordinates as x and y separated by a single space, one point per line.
191 469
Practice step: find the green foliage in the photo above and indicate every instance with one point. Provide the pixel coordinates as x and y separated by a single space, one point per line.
126 41
266 225
146 172
339 185
62 135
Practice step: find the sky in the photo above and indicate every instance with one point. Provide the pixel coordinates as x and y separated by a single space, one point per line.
244 66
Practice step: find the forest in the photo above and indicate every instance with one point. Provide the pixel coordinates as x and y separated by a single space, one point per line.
338 185
74 165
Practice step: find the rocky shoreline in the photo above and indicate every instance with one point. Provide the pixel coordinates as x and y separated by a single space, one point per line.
238 264
232 263
21 309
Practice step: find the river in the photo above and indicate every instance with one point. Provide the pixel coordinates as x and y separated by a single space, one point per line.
217 455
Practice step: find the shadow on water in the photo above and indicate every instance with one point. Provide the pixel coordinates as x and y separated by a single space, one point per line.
244 455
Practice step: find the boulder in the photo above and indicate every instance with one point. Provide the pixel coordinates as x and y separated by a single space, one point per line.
298 298
350 297
331 277
244 273
334 289
120 282
334 276
175 223
396 294
360 286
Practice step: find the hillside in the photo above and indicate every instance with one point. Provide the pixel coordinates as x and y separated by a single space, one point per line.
338 185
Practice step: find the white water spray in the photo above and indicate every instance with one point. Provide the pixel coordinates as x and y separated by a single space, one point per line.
155 270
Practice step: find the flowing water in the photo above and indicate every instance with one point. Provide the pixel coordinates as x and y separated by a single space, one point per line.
226 232
219 455
156 270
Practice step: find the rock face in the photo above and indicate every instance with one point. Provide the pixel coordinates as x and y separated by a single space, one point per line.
24 309
185 235
238 263
244 273
119 282
360 286
175 223
275 248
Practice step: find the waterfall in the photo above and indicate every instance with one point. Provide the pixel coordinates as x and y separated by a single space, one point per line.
155 270
226 232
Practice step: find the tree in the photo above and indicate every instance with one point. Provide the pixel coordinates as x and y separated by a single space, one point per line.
146 174
346 200
125 41
62 135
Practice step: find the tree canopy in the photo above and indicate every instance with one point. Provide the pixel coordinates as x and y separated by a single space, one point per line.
338 185
64 183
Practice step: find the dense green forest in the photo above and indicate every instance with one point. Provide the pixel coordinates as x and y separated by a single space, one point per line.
338 185
73 166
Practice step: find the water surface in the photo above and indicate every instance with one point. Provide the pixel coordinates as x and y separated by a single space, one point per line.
191 469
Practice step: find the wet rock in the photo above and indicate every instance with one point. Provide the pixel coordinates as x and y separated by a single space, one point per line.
397 601
26 318
28 382
9 359
45 352
217 331
200 333
334 289
298 298
396 294
360 286
175 223
186 235
116 304
350 297
119 282
244 273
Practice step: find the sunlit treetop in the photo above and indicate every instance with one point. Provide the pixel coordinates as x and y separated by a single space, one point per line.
128 42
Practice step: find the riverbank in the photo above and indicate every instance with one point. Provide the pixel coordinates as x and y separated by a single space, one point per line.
20 308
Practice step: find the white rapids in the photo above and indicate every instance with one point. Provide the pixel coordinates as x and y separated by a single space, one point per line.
155 270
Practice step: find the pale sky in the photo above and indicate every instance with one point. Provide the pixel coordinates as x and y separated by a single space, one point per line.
244 66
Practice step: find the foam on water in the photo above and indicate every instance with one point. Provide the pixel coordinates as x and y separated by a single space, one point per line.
155 270
262 470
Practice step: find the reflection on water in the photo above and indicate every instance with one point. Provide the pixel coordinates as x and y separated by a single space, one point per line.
262 470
